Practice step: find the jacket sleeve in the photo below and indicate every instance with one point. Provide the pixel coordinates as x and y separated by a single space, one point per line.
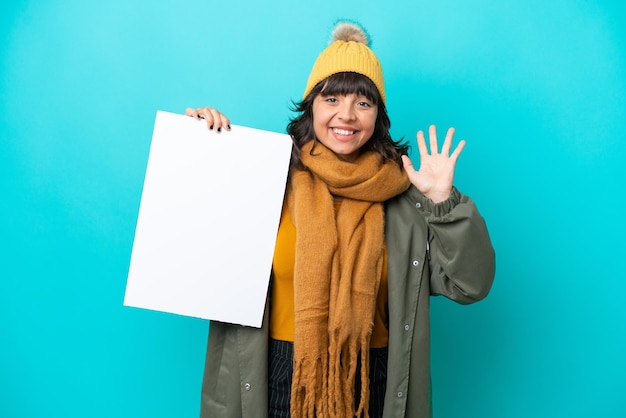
460 254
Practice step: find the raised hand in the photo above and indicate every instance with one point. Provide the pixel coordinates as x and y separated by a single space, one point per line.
215 120
436 172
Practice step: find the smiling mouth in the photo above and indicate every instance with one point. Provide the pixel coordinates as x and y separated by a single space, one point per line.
343 131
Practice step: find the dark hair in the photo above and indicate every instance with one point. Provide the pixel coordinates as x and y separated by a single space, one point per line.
300 128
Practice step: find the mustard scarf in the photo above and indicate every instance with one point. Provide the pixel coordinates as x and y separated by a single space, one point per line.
337 274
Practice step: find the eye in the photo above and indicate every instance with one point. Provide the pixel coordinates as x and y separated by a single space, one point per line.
331 100
364 104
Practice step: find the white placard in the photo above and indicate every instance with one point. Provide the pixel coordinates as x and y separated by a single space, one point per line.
208 218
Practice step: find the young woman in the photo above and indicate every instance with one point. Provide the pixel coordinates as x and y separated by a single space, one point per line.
363 242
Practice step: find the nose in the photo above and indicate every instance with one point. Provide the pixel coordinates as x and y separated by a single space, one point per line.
346 111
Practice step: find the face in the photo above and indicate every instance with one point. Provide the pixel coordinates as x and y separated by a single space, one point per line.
344 123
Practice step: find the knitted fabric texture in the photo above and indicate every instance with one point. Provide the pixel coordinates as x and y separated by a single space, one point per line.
349 54
337 274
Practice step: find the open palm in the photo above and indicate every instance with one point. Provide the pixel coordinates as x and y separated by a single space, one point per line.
436 172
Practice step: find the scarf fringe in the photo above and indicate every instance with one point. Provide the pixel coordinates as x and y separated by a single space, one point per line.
342 378
308 386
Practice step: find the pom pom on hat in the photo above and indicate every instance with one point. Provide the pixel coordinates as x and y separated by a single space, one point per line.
348 52
350 31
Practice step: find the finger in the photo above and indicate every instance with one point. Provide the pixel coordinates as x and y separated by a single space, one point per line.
457 151
432 133
217 119
221 121
447 143
225 122
407 164
206 113
421 144
191 112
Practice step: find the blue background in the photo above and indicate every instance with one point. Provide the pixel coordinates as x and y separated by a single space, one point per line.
536 87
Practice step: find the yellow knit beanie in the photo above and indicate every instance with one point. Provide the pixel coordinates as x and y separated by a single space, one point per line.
348 52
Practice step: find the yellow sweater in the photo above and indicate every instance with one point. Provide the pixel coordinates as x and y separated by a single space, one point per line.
282 309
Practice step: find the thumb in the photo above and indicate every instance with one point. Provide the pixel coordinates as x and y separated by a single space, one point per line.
408 164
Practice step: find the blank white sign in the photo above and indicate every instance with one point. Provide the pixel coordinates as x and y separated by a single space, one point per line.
208 219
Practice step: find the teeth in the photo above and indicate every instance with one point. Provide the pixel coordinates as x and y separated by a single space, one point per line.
343 131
